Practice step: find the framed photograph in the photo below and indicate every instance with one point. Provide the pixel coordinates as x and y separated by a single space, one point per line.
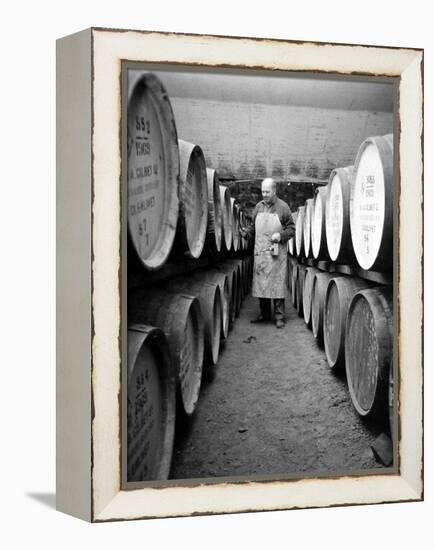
239 274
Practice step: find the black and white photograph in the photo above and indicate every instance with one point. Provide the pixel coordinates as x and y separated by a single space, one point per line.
240 287
260 252
217 264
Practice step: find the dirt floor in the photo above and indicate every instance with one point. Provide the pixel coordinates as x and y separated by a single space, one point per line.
272 406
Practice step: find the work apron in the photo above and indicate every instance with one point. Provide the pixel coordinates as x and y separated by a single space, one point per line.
269 272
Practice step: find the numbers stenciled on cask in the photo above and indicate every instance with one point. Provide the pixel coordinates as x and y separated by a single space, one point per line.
146 172
316 225
141 423
144 413
368 210
334 217
368 200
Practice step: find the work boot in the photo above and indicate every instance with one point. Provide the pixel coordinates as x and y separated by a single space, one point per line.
280 323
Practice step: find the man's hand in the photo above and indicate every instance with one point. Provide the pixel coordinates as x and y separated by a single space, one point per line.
275 237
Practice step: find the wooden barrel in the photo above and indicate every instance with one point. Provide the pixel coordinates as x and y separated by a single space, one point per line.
150 404
249 262
242 277
290 246
369 349
291 241
240 283
245 261
249 272
219 278
152 172
214 231
235 226
210 305
340 291
225 200
307 228
294 279
319 289
179 316
301 273
235 265
371 215
307 294
299 245
339 245
193 201
290 263
243 225
318 225
231 274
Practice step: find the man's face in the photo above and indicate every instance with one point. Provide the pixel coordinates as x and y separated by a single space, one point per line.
268 191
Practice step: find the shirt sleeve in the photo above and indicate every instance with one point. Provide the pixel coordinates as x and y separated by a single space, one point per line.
288 225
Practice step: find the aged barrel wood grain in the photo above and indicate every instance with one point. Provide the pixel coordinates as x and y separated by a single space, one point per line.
369 349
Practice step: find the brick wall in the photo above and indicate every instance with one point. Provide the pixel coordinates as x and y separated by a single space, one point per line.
251 141
248 141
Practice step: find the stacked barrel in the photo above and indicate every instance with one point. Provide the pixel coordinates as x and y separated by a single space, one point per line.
179 216
341 283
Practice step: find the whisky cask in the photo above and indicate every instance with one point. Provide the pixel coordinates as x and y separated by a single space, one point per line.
231 274
369 349
318 225
319 289
301 274
307 228
215 216
221 279
234 264
307 294
371 213
235 225
193 201
299 245
338 232
179 316
340 291
225 199
210 305
150 404
294 279
152 173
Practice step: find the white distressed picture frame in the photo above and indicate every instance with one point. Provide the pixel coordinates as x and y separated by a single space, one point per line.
89 267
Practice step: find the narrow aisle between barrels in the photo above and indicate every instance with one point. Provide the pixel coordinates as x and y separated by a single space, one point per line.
272 406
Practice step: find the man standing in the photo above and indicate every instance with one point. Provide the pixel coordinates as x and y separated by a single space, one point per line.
271 223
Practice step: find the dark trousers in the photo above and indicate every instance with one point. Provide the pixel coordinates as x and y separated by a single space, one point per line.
279 308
